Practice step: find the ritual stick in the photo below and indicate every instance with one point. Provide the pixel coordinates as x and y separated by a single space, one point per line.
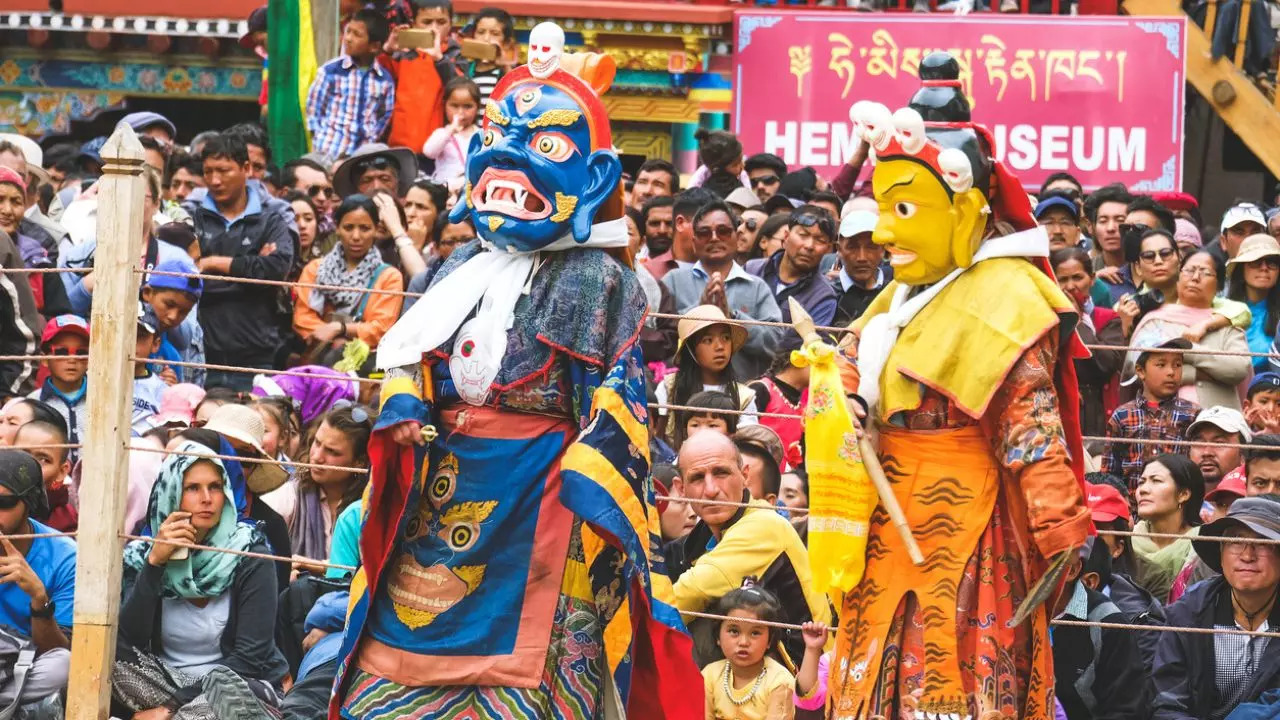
804 325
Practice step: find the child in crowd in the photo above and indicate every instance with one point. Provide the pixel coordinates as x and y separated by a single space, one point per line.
1262 403
492 25
1158 413
704 353
748 684
351 100
811 679
449 145
784 391
67 338
55 468
420 75
712 417
280 440
720 153
147 386
173 300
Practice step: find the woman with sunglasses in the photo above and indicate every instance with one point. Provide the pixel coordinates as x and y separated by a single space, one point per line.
749 224
771 235
1253 275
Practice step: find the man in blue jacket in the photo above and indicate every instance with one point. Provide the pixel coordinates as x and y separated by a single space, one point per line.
793 272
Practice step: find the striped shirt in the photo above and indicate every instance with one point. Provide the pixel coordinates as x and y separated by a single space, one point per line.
349 106
486 80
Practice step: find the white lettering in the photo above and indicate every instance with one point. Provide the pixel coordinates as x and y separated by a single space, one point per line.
1053 147
1022 143
1092 160
783 145
813 142
1127 155
843 142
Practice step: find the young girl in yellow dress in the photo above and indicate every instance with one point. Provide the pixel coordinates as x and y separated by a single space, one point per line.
748 684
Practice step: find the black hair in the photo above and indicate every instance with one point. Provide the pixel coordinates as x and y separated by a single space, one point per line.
1133 249
181 160
462 82
420 5
1186 476
57 432
225 145
150 143
1219 264
825 222
1127 563
827 197
711 207
661 166
803 475
1098 561
688 202
201 436
1055 177
766 160
665 473
717 149
1113 193
375 24
768 228
799 184
42 411
354 202
1057 257
714 404
440 199
220 395
755 599
772 481
289 173
502 16
722 183
1238 290
177 234
253 134
1146 203
655 202
288 418
293 196
1262 447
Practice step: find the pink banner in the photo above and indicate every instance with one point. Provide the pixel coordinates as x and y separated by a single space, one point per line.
1099 97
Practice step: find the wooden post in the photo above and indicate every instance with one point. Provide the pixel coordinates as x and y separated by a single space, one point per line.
121 191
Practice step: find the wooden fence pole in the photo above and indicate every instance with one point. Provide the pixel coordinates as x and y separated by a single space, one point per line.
113 331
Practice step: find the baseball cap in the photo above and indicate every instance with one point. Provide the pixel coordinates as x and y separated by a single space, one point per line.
1059 202
64 323
858 222
140 121
1263 381
257 23
176 264
1242 212
147 318
1224 418
1146 345
1231 484
1106 503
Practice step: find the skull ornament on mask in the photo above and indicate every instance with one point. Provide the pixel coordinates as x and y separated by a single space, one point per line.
546 43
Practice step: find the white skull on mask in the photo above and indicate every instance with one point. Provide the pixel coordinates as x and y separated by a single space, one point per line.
546 44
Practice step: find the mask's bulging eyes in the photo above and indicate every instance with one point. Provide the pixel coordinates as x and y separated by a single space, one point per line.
553 146
904 210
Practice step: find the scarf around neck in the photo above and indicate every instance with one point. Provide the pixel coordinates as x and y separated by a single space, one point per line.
333 271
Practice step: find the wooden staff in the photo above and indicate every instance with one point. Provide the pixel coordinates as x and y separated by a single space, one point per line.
804 325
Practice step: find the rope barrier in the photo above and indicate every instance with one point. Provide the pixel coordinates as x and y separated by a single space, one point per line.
256 371
255 460
242 553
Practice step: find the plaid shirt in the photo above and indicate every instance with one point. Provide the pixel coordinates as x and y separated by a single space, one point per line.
1142 419
349 106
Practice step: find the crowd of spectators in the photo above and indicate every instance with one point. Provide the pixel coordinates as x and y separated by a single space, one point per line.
228 636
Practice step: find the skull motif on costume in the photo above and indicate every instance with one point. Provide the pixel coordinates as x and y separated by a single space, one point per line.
546 43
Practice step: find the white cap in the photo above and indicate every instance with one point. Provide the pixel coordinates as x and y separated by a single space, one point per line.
1244 212
1225 419
858 222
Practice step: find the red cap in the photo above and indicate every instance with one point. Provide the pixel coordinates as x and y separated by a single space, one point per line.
1231 484
1106 503
64 324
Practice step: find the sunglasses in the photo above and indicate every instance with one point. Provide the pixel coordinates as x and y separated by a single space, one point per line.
724 232
64 351
317 190
750 225
377 163
1127 228
823 222
1272 262
1151 255
764 180
9 502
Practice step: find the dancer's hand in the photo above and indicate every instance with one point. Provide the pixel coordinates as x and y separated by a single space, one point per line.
407 433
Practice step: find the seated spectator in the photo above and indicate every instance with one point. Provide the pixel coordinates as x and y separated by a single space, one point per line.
21 411
1252 278
863 273
1217 430
281 440
1262 403
1097 671
66 389
746 647
327 319
715 412
1207 676
1262 466
704 361
1158 413
730 544
793 272
314 389
342 440
717 280
37 598
1169 497
196 633
794 493
37 439
1099 325
351 99
676 517
147 385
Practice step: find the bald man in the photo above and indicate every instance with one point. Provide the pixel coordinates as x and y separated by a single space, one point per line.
750 542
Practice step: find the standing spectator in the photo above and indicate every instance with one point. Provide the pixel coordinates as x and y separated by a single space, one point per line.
1252 276
749 222
173 300
863 273
67 338
655 178
38 595
1262 403
238 239
351 100
495 26
1188 237
183 175
1099 385
731 544
1238 222
1207 676
764 477
327 319
1105 209
196 634
420 75
426 207
773 233
784 390
375 167
449 145
793 272
682 251
310 178
311 242
1215 431
657 225
717 280
147 385
257 145
1158 413
1169 497
764 173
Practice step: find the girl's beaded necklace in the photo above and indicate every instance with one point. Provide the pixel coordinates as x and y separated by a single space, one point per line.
728 685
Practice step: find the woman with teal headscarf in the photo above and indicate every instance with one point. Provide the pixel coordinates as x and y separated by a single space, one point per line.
197 633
